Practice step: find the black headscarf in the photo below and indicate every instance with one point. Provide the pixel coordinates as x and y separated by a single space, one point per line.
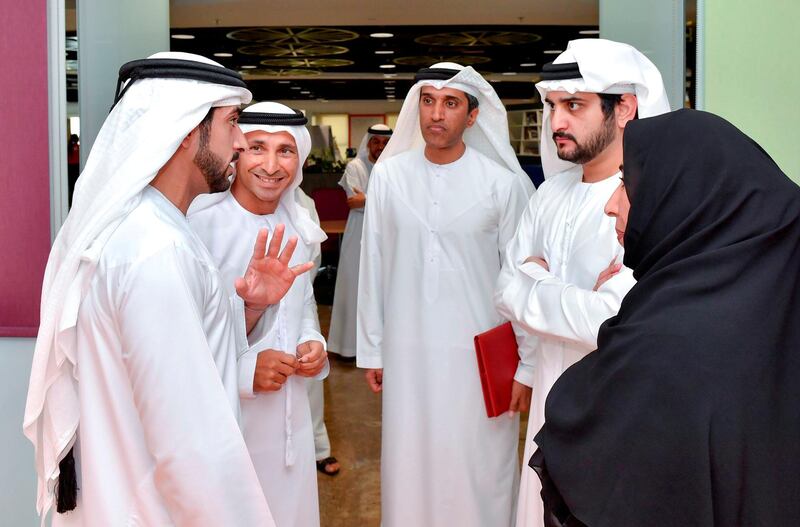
688 414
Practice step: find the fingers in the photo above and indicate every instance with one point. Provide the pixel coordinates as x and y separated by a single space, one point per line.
375 380
260 246
275 242
287 252
302 268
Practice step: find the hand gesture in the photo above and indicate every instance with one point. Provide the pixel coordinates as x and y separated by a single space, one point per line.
607 273
268 276
273 367
357 200
311 358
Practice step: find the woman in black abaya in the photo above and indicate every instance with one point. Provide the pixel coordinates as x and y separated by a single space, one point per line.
688 414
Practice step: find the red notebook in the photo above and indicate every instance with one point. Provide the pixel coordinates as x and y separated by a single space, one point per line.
497 364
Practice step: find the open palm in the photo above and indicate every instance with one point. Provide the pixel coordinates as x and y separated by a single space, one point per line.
268 276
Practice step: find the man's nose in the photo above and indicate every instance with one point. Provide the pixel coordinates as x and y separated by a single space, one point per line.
239 140
557 121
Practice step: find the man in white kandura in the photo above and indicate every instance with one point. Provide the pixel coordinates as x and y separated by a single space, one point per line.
562 275
443 201
326 463
276 419
342 337
135 364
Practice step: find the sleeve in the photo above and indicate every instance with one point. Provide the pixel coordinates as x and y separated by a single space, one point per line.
369 325
514 226
203 471
543 304
309 326
350 179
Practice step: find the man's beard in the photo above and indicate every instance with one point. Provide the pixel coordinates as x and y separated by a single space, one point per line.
595 144
213 167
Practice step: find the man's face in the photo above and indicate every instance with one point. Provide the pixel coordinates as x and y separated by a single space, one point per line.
219 142
618 207
580 129
443 116
265 170
375 146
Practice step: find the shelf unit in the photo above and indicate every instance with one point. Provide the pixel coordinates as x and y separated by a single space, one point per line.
524 128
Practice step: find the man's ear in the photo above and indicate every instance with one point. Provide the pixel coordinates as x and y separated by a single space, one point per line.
191 138
626 109
472 117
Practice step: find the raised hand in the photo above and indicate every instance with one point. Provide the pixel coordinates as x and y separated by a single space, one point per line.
268 276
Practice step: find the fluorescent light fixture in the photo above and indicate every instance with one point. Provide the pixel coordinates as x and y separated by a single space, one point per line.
527 64
287 82
182 36
305 92
589 32
384 52
223 54
296 88
381 35
552 51
387 66
249 67
509 73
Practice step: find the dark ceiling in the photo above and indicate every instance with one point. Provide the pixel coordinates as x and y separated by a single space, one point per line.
344 63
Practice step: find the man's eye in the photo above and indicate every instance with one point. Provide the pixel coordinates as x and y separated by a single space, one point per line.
574 106
255 148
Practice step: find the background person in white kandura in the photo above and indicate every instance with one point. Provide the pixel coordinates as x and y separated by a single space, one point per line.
276 418
135 363
563 274
326 463
443 201
342 336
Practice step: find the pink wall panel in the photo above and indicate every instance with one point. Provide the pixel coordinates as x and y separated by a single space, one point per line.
24 176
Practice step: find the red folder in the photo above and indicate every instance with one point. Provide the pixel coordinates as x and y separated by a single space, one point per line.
497 364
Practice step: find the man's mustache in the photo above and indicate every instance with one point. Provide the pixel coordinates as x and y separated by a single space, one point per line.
564 135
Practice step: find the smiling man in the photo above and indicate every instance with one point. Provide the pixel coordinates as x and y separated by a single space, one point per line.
443 201
273 373
563 274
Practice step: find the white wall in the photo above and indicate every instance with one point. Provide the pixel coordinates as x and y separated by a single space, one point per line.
17 474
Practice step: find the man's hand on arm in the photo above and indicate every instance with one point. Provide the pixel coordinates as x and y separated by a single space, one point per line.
520 397
537 261
375 379
607 273
357 200
273 367
268 276
311 358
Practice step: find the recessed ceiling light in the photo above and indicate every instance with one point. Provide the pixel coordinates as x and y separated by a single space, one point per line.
589 32
223 54
384 52
182 36
287 82
387 66
509 73
527 64
296 88
249 67
552 51
381 35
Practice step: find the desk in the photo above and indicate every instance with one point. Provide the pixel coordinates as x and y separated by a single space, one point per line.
333 226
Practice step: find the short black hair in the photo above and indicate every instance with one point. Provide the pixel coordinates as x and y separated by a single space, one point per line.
609 101
205 127
472 102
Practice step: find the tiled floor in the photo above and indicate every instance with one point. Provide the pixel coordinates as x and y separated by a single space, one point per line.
352 415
